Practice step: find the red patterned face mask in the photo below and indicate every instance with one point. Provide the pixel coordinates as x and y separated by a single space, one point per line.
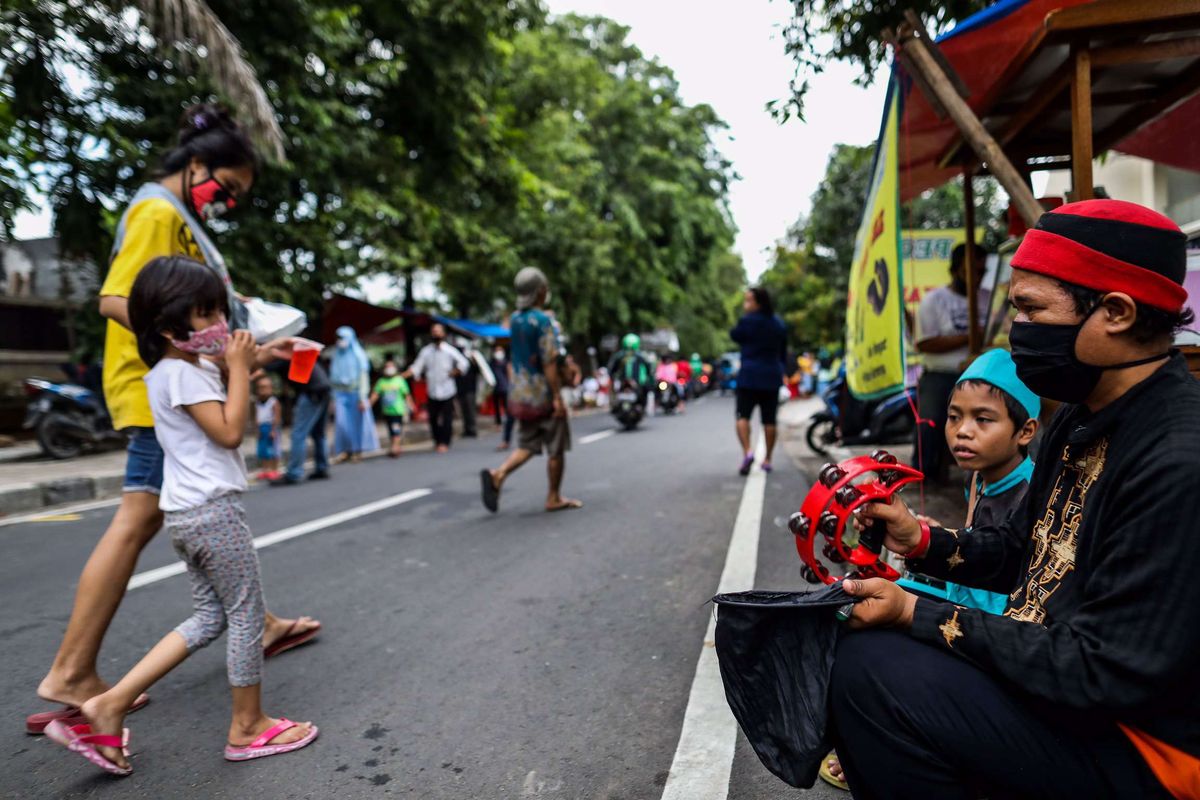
210 341
210 199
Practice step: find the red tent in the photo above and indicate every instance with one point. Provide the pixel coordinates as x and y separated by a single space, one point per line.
1015 58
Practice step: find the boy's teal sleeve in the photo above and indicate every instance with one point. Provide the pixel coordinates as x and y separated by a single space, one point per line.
404 391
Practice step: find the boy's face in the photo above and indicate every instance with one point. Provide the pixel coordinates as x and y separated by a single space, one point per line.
979 430
263 389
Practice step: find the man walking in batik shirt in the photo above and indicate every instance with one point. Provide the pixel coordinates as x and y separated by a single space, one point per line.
535 396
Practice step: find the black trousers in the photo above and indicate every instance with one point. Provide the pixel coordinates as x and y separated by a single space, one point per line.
912 722
466 407
441 420
500 405
930 453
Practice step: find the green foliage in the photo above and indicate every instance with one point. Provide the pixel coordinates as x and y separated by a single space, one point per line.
811 268
851 30
465 137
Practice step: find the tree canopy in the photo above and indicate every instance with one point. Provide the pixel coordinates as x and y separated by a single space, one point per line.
852 31
810 271
468 138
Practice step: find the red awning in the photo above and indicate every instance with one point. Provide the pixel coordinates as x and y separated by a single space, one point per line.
1015 54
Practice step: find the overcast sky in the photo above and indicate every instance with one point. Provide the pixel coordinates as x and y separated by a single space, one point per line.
730 55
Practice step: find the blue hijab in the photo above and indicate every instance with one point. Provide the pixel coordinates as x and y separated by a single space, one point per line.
350 363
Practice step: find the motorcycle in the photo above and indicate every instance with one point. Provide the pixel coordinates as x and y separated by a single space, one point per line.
67 418
629 405
668 396
888 420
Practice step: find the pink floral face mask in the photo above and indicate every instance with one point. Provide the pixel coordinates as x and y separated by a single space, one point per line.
207 342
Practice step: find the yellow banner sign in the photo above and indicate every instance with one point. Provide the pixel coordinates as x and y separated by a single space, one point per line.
926 258
875 301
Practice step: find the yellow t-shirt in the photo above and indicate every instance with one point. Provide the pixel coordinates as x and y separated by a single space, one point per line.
152 228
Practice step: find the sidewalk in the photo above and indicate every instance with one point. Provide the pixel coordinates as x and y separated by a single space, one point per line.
30 481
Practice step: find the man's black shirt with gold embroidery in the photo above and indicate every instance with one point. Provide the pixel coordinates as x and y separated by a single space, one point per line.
1101 564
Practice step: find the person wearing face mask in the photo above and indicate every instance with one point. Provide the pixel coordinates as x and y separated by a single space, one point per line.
354 424
212 167
1085 686
439 363
391 391
941 338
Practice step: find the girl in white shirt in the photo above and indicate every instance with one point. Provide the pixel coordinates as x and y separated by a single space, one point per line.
177 309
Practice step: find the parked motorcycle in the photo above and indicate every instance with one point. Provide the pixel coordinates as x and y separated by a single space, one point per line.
668 396
629 405
847 421
67 418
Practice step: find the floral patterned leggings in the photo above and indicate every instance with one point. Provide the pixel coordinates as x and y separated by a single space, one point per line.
215 542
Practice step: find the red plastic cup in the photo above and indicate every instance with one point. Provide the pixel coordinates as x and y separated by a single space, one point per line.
304 358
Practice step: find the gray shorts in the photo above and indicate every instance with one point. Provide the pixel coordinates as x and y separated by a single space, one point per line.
551 434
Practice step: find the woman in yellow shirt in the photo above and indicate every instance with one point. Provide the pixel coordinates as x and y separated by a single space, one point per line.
202 177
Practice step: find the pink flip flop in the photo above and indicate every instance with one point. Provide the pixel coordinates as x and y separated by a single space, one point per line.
290 640
259 747
79 739
35 724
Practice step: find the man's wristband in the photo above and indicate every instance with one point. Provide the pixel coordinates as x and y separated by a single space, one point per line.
923 546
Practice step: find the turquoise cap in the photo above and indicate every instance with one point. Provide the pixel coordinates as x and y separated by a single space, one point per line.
997 368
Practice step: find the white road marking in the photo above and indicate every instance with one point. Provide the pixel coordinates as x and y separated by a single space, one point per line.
267 539
71 509
595 437
704 758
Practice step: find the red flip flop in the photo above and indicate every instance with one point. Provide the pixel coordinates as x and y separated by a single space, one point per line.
290 640
35 724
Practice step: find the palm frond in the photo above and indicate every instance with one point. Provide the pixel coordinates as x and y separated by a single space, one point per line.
192 24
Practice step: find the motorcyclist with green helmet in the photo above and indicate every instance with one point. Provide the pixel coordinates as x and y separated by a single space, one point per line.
629 364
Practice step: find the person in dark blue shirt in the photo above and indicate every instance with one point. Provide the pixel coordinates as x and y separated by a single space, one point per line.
763 339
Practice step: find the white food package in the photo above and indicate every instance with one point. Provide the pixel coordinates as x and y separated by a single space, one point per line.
273 320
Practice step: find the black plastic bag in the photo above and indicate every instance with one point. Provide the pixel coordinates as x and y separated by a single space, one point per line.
776 654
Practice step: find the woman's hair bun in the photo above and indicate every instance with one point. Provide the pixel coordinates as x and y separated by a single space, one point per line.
203 117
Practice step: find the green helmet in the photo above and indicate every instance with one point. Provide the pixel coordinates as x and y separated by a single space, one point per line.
631 342
695 356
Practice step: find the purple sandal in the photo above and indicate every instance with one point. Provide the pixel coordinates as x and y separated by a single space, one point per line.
747 462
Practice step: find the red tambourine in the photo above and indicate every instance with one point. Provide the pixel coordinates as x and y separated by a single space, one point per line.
825 517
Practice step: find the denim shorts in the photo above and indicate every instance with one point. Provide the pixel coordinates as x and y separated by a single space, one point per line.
143 462
266 442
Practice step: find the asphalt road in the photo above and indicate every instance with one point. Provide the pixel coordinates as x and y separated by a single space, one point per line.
465 655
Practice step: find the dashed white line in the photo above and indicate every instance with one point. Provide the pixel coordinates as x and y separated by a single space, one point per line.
704 758
595 437
267 539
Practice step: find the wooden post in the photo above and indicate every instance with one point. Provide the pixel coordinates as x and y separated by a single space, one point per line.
914 53
974 339
1081 124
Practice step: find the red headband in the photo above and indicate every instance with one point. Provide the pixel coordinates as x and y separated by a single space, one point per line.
1067 260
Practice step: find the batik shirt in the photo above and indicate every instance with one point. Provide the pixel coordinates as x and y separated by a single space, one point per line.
1099 563
536 342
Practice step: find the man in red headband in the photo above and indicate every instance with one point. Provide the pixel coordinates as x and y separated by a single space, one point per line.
1089 685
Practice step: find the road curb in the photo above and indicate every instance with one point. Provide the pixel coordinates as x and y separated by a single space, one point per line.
24 497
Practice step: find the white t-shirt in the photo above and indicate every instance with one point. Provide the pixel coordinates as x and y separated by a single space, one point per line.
436 365
264 411
943 312
196 469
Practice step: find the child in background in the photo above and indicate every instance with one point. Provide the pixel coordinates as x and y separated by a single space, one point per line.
177 309
992 418
268 414
393 391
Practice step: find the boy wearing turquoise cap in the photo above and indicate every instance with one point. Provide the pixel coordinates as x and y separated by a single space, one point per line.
993 417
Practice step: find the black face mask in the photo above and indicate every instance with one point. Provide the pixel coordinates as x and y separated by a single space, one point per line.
1046 361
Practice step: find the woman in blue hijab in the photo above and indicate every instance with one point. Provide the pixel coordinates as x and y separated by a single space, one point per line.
350 373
